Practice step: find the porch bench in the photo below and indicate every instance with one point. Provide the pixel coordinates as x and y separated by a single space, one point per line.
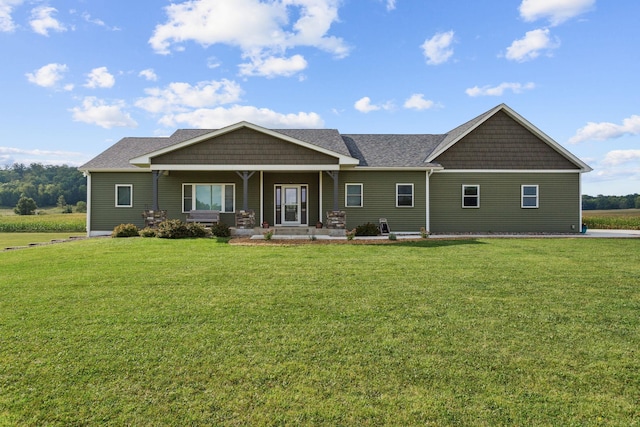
203 217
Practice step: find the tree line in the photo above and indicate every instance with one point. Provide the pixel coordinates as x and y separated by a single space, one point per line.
600 202
43 184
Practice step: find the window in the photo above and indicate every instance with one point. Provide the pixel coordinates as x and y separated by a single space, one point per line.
353 195
529 196
470 196
404 195
216 197
124 195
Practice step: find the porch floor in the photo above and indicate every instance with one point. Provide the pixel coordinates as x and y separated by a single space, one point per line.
290 232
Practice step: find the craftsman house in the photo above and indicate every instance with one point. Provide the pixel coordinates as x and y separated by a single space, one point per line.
494 173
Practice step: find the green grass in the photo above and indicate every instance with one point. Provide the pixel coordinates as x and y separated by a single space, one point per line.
193 332
617 219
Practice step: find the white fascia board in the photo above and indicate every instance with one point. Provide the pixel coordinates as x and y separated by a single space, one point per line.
225 168
398 168
146 158
510 171
136 170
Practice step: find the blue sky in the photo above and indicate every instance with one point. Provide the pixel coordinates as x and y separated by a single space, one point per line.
78 75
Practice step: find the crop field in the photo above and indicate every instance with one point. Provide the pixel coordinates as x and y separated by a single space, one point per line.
489 332
617 219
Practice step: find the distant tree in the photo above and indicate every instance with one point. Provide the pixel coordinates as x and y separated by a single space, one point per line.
26 206
61 202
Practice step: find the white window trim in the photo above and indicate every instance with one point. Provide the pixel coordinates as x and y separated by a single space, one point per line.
193 194
522 196
130 205
477 195
413 194
346 198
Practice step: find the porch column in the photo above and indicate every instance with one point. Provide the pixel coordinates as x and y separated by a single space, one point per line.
156 177
245 175
334 175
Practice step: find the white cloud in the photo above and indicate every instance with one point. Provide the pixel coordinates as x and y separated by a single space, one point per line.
149 74
220 117
49 75
619 157
180 97
42 20
438 49
99 22
6 21
97 112
606 130
556 11
500 89
364 105
100 78
530 46
417 102
260 29
273 67
391 4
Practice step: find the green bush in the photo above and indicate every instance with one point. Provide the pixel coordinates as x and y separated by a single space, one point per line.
125 230
367 229
81 207
221 230
196 230
26 206
148 232
172 229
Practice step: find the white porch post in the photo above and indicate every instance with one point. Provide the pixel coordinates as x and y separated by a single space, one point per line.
428 202
261 197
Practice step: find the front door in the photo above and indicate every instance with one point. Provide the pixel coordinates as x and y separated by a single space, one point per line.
291 205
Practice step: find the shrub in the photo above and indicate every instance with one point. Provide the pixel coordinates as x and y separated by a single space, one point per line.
392 236
81 207
367 229
125 230
196 230
221 230
147 232
26 206
172 229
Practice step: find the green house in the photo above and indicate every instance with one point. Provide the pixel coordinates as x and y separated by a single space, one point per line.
494 173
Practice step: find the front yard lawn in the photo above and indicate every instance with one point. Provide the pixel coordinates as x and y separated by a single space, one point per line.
195 332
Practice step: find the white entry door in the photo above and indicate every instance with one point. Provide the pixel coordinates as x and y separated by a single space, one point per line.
291 205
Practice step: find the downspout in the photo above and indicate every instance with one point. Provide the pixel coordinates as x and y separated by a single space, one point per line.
261 197
428 200
87 174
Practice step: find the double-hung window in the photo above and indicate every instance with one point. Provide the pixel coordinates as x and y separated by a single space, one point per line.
214 197
124 195
470 196
404 195
529 196
353 195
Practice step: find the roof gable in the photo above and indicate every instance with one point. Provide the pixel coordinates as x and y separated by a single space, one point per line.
186 147
502 139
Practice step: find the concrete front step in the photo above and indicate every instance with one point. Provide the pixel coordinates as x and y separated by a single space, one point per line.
290 231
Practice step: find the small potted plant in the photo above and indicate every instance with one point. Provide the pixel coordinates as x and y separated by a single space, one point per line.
265 224
319 224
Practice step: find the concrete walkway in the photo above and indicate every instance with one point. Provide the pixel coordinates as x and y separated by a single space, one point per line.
616 234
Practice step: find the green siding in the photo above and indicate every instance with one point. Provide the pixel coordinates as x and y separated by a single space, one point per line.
500 211
104 213
379 198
